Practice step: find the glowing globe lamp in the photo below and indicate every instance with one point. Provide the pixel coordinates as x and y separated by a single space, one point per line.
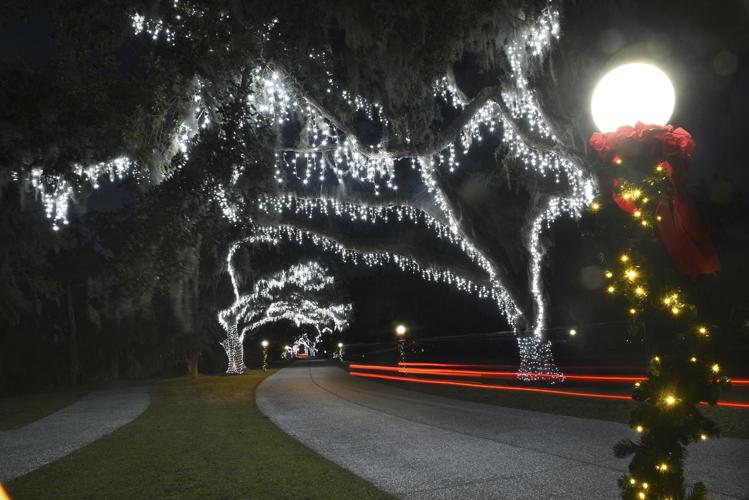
630 93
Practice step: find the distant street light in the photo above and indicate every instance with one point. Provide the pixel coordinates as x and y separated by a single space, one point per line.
573 332
340 352
400 330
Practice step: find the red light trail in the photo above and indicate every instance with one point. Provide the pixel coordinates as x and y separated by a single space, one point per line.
602 378
492 386
492 374
730 404
406 371
514 367
455 365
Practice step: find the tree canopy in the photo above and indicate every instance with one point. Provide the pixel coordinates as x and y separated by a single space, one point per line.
168 87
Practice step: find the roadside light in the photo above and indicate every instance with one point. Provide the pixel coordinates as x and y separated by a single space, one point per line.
400 330
265 345
340 352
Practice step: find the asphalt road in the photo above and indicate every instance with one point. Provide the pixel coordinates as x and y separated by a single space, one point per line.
52 437
416 445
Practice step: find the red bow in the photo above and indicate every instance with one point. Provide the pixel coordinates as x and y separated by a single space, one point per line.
682 233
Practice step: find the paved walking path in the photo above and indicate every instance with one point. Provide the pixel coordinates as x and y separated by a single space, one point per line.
416 445
52 437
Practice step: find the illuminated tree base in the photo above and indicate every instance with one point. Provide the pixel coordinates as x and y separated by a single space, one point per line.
235 352
537 361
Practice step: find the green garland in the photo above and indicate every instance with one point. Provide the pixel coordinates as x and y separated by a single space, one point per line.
683 373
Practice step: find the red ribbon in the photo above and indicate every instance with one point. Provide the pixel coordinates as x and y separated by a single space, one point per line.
685 238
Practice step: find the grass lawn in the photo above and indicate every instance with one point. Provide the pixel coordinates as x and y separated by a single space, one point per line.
734 422
198 439
17 411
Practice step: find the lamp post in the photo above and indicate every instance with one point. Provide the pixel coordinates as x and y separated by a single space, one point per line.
340 352
646 159
400 333
264 344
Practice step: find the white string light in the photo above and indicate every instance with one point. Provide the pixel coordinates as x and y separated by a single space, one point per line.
446 89
372 214
56 190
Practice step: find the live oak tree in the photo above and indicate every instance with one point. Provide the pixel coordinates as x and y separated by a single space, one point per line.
410 122
302 294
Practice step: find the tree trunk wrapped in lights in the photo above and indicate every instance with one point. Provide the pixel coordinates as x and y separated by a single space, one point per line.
646 169
233 344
